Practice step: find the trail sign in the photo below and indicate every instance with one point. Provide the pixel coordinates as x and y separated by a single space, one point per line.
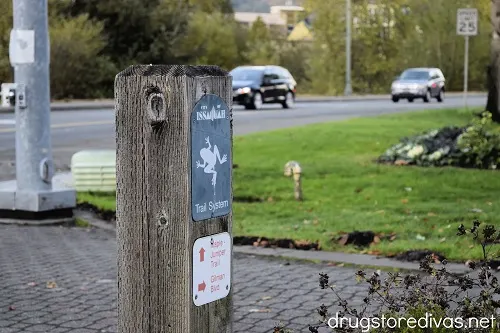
467 22
169 267
210 158
211 268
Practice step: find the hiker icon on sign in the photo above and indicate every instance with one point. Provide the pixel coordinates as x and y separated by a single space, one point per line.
210 159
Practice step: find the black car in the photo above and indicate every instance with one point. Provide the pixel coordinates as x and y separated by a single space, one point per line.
254 86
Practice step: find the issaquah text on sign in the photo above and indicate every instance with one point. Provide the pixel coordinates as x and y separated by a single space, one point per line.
211 268
210 158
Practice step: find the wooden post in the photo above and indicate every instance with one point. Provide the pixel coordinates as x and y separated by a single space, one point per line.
162 114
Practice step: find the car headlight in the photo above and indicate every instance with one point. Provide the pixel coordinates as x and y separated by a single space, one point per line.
245 90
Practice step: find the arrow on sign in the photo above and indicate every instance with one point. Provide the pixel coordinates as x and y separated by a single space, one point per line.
202 255
202 286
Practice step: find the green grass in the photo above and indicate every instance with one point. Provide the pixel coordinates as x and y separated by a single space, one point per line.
104 201
345 191
81 223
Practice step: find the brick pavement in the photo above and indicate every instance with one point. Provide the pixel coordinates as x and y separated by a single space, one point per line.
82 264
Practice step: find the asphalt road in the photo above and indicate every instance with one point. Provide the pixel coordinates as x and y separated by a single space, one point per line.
73 131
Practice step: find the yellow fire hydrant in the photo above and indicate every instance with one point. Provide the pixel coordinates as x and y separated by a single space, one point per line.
292 168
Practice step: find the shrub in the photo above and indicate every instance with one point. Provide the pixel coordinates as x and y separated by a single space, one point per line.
435 293
480 146
77 69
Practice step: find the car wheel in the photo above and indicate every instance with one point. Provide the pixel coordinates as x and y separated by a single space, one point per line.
410 99
440 97
427 97
395 99
256 103
289 101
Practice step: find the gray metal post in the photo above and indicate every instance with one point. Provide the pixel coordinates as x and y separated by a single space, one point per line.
466 69
33 143
348 87
33 196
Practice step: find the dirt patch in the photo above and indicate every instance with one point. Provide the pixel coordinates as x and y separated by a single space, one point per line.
247 199
106 215
418 255
275 243
363 238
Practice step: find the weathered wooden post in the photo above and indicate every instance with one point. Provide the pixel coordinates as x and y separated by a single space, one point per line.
174 198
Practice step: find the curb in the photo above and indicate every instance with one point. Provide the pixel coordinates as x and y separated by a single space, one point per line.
71 106
359 260
110 104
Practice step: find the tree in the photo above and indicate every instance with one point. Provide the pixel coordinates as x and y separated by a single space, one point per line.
261 47
327 63
210 39
77 68
5 27
438 44
211 6
295 56
134 28
378 48
493 72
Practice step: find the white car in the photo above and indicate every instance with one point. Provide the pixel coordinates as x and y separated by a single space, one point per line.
425 83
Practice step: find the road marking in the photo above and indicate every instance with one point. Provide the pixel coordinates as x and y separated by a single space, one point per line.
64 125
7 121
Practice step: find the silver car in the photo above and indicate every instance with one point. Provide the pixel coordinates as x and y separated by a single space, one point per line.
425 83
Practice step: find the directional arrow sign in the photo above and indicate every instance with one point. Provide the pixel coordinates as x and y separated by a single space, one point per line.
202 255
211 273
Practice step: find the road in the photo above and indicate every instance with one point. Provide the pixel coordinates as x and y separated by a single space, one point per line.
73 131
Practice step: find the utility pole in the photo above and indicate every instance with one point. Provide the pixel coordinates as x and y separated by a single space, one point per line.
29 54
348 22
466 69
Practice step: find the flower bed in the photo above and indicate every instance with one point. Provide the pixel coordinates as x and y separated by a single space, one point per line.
473 146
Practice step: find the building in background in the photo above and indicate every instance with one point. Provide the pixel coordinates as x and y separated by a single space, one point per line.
272 21
302 31
280 18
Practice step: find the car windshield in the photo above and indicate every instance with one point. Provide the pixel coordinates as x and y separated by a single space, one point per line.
246 74
414 75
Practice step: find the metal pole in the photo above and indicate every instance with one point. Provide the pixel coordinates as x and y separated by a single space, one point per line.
348 87
34 167
466 69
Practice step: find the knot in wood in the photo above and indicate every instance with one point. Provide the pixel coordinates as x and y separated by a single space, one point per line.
157 108
163 219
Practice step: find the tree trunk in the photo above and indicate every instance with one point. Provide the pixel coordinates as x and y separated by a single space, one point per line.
493 70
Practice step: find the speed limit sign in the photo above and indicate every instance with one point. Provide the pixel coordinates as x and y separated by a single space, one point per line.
467 22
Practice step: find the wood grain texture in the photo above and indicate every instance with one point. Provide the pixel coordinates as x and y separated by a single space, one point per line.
155 231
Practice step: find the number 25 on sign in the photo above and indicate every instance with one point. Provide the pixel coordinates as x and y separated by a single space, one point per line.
467 21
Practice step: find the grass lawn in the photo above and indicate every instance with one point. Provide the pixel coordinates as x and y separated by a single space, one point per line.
345 191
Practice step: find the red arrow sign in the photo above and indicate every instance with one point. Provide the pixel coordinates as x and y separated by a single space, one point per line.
202 255
202 286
